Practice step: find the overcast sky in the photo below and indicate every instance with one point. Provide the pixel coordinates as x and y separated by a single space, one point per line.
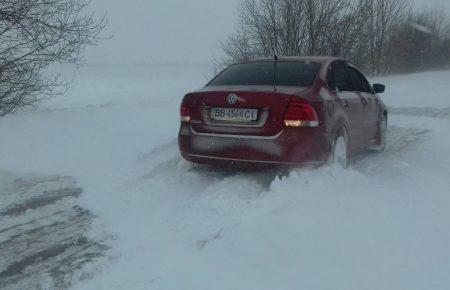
169 30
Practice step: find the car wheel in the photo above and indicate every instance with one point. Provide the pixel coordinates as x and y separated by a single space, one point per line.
339 154
381 135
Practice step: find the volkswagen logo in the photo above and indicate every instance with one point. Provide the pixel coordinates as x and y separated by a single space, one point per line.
232 99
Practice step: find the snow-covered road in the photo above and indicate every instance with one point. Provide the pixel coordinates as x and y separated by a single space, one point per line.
382 224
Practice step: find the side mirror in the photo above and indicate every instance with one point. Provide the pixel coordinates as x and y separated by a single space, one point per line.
379 88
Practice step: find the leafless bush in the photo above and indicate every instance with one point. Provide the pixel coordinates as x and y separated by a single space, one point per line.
35 34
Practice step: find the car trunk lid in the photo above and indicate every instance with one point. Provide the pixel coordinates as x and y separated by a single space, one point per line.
269 101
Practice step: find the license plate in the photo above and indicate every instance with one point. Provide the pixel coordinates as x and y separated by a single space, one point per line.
234 115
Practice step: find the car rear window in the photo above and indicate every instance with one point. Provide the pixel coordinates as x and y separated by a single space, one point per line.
287 73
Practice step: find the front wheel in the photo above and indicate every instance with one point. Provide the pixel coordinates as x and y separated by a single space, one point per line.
339 155
381 135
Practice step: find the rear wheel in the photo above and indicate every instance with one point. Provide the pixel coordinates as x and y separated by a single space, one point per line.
339 153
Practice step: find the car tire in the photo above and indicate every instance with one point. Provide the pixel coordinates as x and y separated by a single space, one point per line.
381 135
339 150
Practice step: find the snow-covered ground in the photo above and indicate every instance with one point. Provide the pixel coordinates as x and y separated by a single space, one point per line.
382 224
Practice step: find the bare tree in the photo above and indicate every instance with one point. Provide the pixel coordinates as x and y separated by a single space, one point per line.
35 34
382 17
420 42
437 20
296 27
344 36
380 36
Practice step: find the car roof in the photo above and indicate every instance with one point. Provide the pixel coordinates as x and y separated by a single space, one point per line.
316 59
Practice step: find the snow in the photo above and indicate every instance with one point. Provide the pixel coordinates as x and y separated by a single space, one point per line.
429 89
382 224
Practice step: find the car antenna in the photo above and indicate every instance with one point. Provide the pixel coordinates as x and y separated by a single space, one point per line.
275 55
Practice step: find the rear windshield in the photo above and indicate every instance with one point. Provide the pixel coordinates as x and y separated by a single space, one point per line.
288 73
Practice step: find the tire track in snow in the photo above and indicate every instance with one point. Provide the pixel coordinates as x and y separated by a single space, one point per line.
401 141
428 112
43 242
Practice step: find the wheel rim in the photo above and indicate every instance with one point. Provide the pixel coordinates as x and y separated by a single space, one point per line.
340 152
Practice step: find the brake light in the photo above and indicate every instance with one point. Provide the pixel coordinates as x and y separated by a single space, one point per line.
185 113
300 114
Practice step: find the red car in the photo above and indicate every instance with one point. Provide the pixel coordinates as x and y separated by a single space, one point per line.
283 111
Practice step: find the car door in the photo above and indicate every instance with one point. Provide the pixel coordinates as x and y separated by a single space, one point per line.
351 100
370 104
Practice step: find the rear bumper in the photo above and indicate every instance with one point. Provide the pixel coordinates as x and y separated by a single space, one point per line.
292 146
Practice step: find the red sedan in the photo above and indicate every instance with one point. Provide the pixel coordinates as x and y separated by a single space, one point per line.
285 111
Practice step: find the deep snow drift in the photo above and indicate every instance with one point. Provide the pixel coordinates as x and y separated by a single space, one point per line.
382 224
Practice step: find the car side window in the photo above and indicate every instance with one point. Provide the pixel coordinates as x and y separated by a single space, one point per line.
342 80
362 85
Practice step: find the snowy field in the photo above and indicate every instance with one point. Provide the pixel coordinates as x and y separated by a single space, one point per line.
382 224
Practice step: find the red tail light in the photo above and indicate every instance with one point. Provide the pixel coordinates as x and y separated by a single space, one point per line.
185 115
300 114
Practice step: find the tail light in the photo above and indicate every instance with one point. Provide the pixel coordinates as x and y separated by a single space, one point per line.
185 115
300 114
